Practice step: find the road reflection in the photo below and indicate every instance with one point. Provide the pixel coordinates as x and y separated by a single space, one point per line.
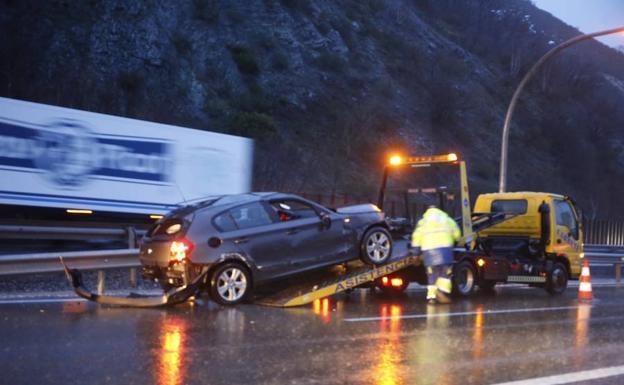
75 307
388 370
477 342
431 348
581 339
171 369
322 307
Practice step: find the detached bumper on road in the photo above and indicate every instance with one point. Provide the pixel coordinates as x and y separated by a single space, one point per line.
172 297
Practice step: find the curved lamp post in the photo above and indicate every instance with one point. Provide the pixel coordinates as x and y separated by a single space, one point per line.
514 99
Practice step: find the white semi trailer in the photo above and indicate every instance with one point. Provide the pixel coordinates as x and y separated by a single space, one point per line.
71 161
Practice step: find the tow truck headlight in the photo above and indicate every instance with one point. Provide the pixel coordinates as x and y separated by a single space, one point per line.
180 250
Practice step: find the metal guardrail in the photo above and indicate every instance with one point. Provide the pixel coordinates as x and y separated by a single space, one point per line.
69 233
99 260
86 260
604 255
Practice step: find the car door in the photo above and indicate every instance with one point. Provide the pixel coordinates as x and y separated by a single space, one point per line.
312 243
567 230
261 239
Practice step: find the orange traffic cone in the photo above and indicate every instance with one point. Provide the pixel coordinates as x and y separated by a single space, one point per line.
585 288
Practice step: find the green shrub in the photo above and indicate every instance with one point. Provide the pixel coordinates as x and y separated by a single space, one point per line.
130 82
206 10
331 62
182 45
302 6
244 60
280 61
253 124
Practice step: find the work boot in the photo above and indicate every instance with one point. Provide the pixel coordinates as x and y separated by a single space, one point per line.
443 297
431 294
431 301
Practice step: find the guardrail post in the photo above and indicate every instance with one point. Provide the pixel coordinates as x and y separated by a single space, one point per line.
618 273
133 277
101 277
132 241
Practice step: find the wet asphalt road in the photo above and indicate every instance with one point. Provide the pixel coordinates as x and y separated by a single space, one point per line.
363 338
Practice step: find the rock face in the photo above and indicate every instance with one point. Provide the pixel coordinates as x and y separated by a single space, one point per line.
328 88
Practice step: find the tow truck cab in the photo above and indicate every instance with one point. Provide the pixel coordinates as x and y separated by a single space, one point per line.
543 226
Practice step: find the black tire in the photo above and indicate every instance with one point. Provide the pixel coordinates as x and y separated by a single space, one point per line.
230 284
487 286
464 279
376 246
557 280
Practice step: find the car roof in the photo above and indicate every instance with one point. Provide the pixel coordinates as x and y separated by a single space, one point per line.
223 202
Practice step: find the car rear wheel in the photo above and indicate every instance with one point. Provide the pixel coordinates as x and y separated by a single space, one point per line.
376 246
230 284
557 280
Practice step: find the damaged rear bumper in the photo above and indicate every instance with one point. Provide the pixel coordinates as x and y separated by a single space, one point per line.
172 297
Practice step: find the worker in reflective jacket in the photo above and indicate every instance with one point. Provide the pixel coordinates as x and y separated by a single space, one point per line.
435 235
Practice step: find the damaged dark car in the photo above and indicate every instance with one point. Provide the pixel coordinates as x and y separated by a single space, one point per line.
237 243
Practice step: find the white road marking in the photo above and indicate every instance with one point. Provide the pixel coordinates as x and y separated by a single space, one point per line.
568 378
17 301
458 314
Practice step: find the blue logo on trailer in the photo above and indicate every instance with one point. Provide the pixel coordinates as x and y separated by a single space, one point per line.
70 154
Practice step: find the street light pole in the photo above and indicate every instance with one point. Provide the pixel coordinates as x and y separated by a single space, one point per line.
514 99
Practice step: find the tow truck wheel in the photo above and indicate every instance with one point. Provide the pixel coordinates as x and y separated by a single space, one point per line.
376 246
230 284
487 286
557 280
464 279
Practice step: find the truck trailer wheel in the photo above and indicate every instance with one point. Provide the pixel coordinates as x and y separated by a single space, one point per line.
464 279
230 284
557 280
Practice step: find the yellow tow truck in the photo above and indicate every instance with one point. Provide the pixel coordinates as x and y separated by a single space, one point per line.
515 237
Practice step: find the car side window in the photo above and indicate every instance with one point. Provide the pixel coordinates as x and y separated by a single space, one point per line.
288 210
250 215
565 217
224 222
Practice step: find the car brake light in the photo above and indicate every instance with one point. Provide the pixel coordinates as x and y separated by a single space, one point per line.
396 282
481 262
180 250
384 281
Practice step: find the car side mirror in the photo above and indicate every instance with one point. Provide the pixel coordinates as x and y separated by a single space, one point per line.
325 221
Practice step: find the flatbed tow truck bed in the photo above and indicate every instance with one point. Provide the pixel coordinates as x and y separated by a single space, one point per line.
335 280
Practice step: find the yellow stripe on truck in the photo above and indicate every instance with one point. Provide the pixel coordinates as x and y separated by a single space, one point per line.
351 282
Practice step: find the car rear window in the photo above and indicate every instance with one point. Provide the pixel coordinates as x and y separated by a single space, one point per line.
225 222
510 206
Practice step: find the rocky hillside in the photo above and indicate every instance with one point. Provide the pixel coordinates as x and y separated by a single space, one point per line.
329 88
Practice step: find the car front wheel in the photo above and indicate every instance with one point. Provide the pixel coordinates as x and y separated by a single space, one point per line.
230 284
376 246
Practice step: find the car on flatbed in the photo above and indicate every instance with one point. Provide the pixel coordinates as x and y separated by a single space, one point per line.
243 241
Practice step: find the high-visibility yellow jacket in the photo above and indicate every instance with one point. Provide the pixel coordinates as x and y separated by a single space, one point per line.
435 230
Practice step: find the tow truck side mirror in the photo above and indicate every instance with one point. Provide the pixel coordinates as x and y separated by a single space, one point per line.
544 210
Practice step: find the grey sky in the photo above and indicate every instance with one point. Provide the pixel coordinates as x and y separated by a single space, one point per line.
589 15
